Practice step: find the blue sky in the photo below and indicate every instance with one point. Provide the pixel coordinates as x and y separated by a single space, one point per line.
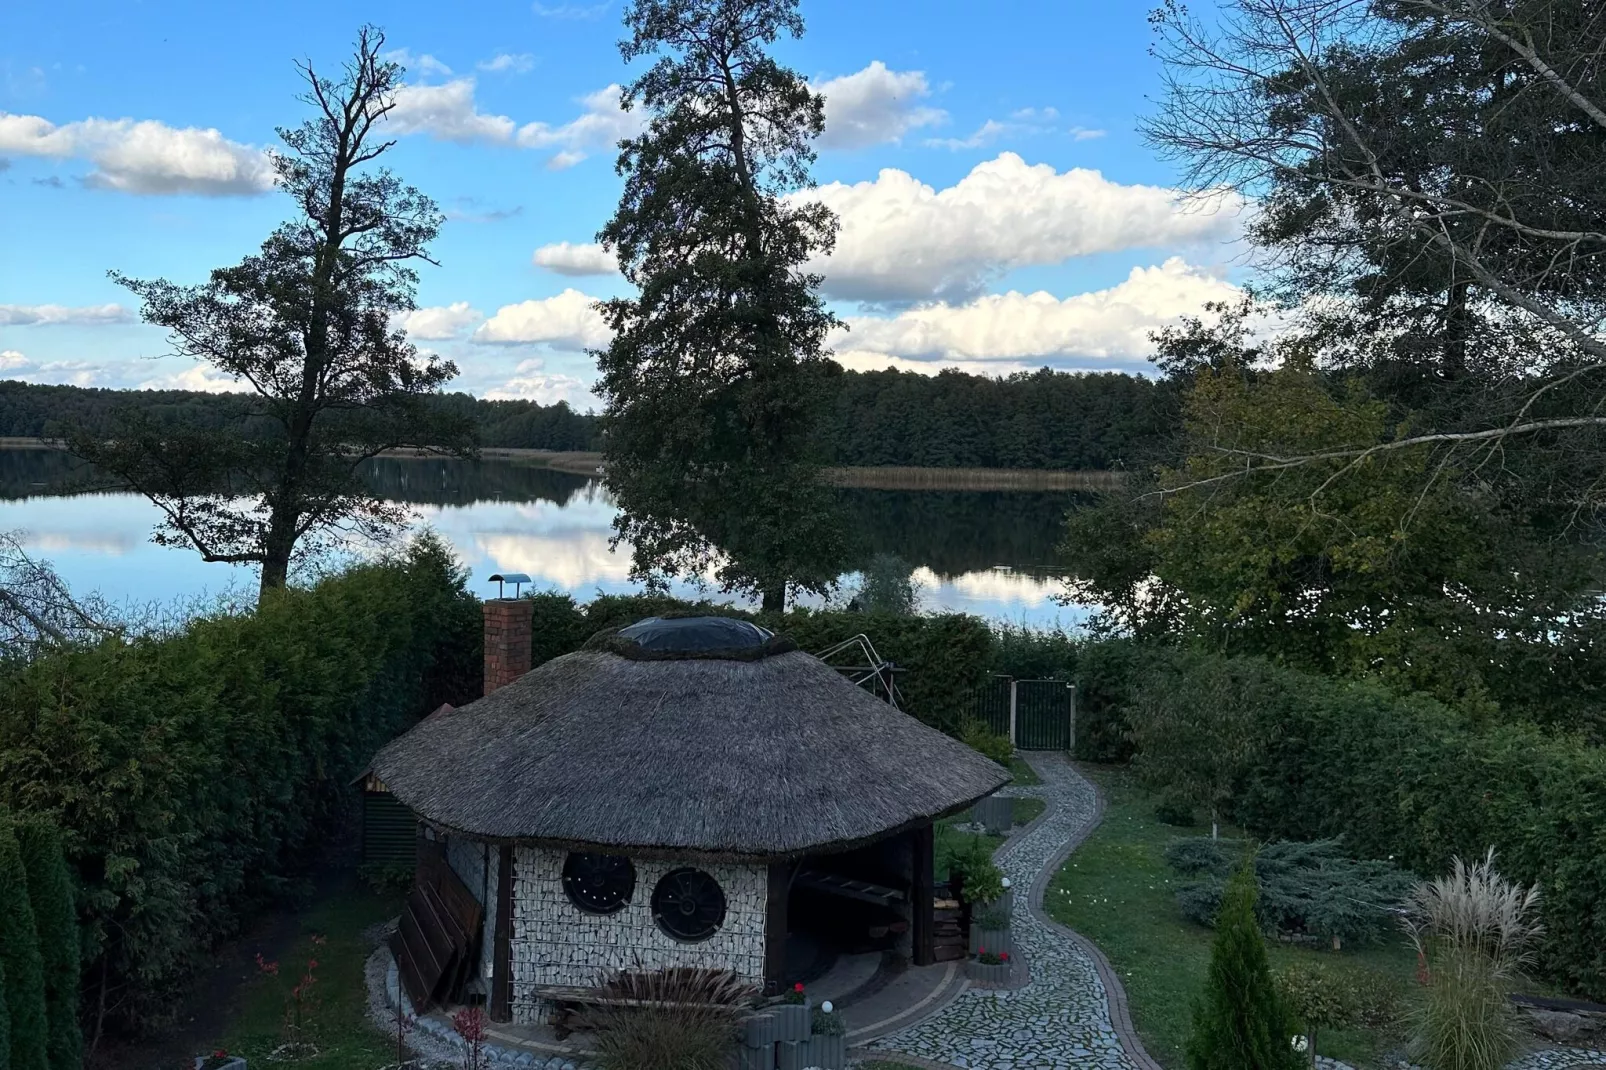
999 209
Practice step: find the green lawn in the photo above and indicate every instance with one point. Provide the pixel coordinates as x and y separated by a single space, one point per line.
338 1022
1118 892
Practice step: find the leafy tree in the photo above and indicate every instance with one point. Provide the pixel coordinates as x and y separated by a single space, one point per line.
1241 1023
713 378
888 586
20 961
306 325
50 893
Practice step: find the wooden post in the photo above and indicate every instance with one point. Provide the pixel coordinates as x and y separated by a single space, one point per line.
1072 747
922 898
779 888
1013 684
502 952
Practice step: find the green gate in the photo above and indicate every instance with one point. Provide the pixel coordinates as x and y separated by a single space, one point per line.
1045 715
1031 714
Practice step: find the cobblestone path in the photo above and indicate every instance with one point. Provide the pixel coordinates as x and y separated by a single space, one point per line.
1061 1019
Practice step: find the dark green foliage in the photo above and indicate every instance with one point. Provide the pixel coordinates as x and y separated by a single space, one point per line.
887 586
24 991
5 1022
194 773
978 738
1178 812
1106 672
50 893
1305 890
1240 1024
980 879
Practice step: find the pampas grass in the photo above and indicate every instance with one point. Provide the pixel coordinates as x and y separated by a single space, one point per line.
677 1019
1472 929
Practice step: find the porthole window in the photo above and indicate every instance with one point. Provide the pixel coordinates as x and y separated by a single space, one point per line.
598 884
688 904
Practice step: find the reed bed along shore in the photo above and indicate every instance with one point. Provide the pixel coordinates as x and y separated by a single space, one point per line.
896 478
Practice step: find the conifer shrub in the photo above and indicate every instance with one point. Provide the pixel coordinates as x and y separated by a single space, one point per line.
1240 1022
19 958
50 893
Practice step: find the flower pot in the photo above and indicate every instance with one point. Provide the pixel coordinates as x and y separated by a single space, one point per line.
995 940
789 1055
825 1052
234 1062
986 976
995 813
760 1031
756 1058
792 1021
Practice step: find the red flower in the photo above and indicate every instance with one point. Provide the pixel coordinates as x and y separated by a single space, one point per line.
312 964
269 968
1004 957
220 1054
798 987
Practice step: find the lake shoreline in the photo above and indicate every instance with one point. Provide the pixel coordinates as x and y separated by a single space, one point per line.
888 477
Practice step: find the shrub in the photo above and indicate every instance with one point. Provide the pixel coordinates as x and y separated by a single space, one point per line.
1304 889
20 960
826 1023
978 738
386 878
1323 998
688 1020
992 916
50 894
5 1021
1176 812
981 881
1473 929
1240 1024
192 772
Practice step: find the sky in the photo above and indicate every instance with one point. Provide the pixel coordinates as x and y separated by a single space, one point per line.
999 209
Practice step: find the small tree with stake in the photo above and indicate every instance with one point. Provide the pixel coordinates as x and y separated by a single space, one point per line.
305 324
1241 1023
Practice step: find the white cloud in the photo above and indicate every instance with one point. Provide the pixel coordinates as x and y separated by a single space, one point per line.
1107 327
508 63
531 382
581 258
440 322
448 113
602 124
426 63
902 240
570 11
52 315
197 377
1082 133
144 157
874 105
11 360
569 320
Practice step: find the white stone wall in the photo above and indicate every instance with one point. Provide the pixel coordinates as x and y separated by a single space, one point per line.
556 943
468 859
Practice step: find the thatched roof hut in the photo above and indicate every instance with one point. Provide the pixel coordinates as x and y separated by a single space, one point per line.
758 751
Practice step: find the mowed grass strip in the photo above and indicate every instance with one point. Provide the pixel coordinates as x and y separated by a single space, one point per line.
1118 892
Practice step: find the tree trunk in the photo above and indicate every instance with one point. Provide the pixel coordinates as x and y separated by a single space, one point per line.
775 599
275 572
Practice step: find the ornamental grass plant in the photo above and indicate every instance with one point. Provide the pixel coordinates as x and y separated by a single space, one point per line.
1473 930
683 1019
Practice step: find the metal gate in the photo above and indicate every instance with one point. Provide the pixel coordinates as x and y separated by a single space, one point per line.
1033 714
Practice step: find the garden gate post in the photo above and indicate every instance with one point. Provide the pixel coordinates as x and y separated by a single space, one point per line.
1012 696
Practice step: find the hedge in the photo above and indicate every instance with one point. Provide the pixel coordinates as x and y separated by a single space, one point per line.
1412 779
20 962
55 916
194 774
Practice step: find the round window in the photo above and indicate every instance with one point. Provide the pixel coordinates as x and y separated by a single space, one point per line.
688 904
598 884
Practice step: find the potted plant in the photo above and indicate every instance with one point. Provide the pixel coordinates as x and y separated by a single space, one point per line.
792 1016
989 968
989 927
219 1060
827 1046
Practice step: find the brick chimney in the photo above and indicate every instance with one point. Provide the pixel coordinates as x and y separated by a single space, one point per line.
507 640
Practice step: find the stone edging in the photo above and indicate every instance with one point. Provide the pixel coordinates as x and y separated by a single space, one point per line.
1114 993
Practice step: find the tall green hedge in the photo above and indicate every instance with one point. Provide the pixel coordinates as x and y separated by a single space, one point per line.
195 773
1412 779
23 991
55 915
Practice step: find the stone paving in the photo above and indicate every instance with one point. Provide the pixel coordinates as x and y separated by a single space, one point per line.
1061 1018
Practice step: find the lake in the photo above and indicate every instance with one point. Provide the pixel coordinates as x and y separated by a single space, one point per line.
985 552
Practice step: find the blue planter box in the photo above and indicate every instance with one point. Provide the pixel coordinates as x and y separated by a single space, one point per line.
234 1063
997 941
997 814
827 1053
756 1058
793 1021
987 976
760 1031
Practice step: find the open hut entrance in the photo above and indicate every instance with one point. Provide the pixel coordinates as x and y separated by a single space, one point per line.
865 901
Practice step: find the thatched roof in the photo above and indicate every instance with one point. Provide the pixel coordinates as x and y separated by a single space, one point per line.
766 756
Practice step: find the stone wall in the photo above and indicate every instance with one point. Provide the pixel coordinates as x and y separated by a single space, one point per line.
556 943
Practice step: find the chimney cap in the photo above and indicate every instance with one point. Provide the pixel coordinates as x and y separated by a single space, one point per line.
515 578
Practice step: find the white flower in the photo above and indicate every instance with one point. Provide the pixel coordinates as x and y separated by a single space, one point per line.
1301 1044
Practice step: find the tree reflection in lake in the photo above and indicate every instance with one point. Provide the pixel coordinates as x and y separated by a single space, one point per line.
988 552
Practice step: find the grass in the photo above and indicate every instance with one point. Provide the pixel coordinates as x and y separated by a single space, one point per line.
1118 892
338 1022
947 839
1027 810
1023 773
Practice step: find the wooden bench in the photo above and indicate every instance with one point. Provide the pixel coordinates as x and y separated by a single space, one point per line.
569 1001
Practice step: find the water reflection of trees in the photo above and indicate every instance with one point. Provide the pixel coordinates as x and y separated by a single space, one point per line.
448 481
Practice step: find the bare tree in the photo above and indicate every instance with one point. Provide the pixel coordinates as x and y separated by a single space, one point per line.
37 609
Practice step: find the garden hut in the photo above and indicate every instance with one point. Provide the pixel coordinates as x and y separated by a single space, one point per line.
674 794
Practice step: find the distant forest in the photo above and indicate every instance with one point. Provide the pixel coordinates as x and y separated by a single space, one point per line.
1042 419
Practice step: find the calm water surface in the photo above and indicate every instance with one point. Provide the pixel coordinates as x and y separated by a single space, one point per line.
984 552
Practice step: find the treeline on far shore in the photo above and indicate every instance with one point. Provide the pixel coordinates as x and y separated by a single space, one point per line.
1043 419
